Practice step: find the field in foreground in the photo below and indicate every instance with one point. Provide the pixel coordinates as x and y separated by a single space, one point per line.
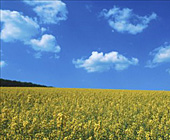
54 113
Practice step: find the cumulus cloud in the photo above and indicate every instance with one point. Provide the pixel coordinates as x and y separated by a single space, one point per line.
2 64
99 62
160 55
47 43
49 12
16 26
125 21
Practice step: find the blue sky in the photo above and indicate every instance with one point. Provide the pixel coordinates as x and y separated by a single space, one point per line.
90 44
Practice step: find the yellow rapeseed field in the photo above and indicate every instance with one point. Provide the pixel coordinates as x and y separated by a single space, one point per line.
93 114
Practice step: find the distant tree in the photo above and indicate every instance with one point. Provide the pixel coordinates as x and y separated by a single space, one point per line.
10 83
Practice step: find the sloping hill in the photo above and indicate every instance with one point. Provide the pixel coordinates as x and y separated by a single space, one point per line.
10 83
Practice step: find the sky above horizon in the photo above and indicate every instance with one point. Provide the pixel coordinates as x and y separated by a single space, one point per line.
89 44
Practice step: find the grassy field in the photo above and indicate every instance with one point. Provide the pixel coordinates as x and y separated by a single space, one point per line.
55 113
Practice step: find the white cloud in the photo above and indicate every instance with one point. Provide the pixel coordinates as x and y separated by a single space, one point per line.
2 64
47 43
160 55
43 29
17 27
49 12
125 21
99 62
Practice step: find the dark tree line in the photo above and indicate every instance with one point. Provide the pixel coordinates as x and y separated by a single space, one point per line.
10 83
